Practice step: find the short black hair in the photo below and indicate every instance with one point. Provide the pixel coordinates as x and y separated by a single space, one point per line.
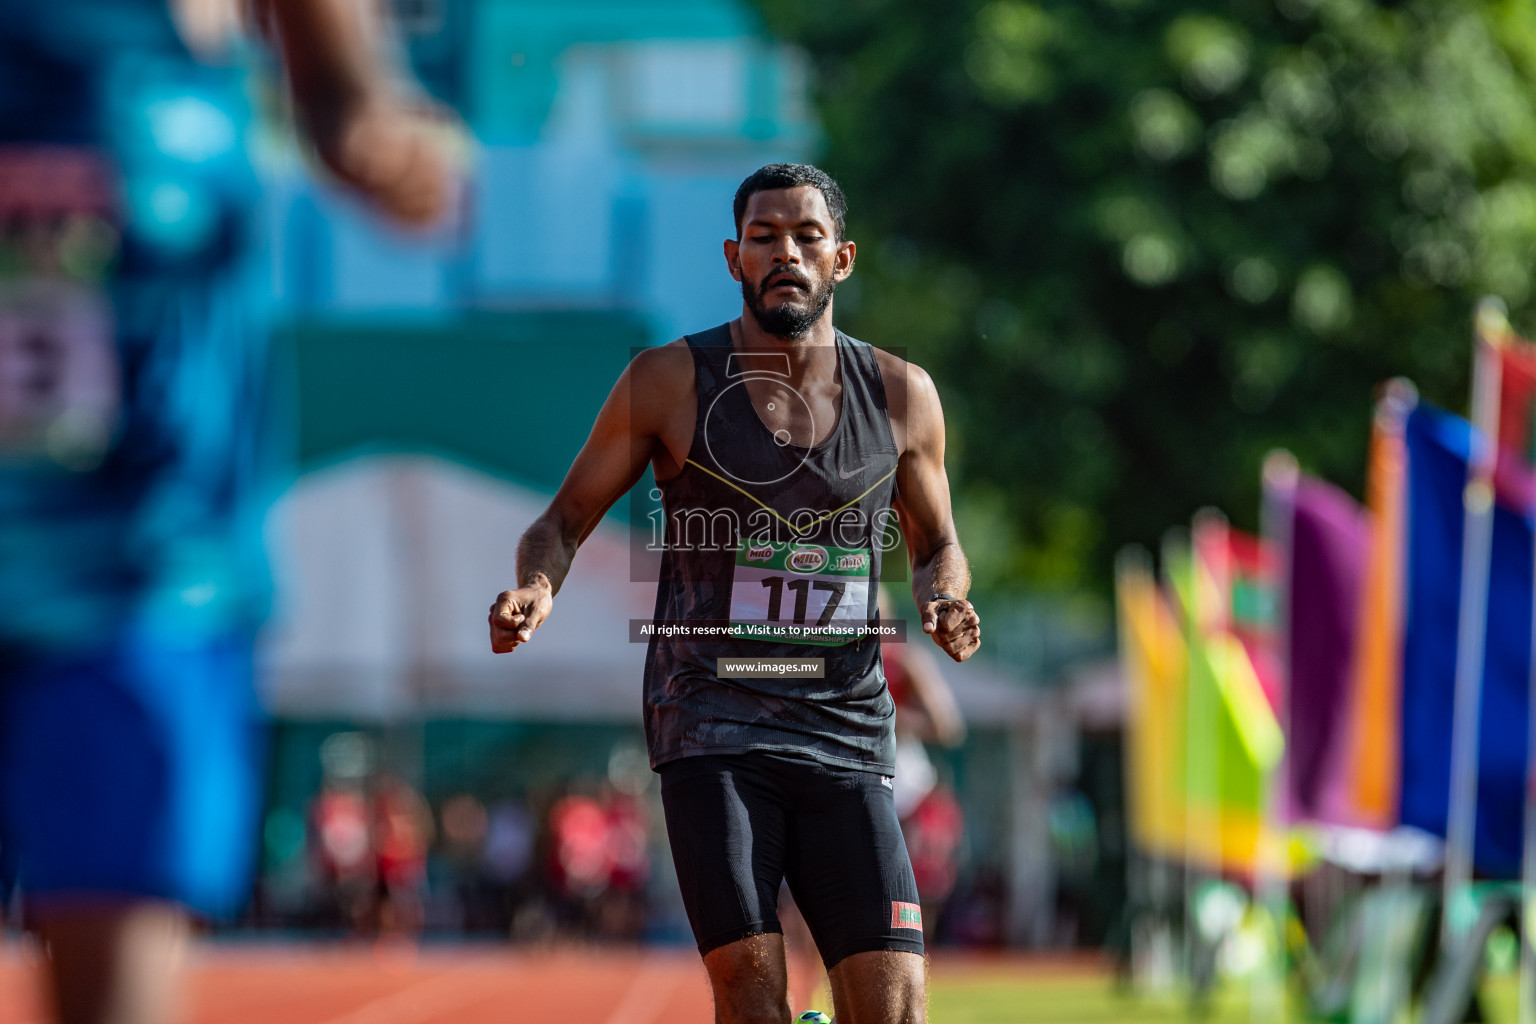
776 176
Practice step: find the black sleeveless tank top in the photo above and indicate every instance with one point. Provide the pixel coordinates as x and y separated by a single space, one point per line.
773 551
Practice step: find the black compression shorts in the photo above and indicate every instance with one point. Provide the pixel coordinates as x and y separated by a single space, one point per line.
739 824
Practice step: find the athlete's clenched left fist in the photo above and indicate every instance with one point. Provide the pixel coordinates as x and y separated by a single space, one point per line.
954 625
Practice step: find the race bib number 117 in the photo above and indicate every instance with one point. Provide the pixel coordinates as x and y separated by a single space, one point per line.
800 593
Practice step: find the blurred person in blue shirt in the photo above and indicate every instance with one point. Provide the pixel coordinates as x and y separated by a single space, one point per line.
134 462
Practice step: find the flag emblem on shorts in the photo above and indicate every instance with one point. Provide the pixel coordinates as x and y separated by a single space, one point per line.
906 915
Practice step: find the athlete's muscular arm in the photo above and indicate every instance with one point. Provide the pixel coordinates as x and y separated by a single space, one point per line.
623 439
927 521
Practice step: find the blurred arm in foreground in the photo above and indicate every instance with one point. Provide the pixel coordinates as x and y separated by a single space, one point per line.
347 102
129 783
929 711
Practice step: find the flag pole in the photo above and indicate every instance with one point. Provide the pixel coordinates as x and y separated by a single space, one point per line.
1177 544
1180 557
1280 476
1151 659
1133 562
1208 531
1471 632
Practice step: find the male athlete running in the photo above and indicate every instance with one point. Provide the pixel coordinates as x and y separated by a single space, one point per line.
781 447
132 456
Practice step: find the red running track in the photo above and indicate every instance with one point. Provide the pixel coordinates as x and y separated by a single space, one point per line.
358 985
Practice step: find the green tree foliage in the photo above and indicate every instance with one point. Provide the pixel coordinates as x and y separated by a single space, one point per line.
1141 242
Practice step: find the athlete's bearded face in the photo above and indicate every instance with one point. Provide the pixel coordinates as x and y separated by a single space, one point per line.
800 302
788 260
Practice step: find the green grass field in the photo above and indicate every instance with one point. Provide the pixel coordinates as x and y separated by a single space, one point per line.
1073 1000
995 999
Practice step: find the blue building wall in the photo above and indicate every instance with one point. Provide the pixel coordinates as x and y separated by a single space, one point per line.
609 137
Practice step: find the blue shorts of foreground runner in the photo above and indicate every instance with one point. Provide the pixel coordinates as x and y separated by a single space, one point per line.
739 824
132 770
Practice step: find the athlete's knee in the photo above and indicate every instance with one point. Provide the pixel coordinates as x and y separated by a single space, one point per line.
881 987
749 980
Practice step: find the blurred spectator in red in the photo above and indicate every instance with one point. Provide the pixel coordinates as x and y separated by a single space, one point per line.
342 848
931 819
402 832
622 915
577 860
933 832
599 863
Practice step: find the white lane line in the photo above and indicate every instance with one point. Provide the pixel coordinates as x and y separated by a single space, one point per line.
647 993
420 1002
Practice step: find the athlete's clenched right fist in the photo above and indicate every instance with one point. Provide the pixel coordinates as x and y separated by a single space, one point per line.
517 613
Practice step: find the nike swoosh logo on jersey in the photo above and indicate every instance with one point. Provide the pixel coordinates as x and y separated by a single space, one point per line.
799 529
850 474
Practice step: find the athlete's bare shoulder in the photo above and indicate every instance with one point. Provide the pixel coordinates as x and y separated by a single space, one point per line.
672 355
662 402
661 377
911 398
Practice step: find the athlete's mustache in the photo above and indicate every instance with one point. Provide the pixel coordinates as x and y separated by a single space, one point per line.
782 277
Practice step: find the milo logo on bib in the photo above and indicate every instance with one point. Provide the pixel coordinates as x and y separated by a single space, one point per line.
800 593
807 559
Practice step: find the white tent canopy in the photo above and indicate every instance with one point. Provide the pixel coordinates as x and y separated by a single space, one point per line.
387 566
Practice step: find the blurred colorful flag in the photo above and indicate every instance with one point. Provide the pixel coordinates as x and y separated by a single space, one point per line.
1500 352
1329 544
1366 785
1439 448
1234 738
1153 660
1201 800
1245 575
1517 389
1344 613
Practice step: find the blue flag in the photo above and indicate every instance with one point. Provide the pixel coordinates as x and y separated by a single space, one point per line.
1439 446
